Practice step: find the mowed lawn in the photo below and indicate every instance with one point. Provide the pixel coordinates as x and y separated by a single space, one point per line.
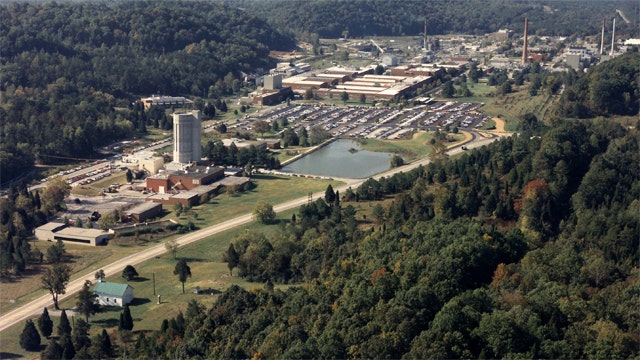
273 189
208 271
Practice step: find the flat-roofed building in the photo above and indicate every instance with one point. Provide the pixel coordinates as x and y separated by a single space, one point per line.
187 179
273 82
58 231
271 97
241 143
144 211
165 101
152 164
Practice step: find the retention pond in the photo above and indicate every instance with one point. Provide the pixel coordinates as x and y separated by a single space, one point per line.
343 159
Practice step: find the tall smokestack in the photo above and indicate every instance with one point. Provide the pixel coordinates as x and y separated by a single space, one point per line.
613 36
602 39
524 47
424 39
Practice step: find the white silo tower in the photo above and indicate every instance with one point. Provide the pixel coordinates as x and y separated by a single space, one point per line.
187 131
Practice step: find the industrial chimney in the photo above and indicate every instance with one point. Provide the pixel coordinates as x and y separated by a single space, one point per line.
424 39
602 39
613 36
524 47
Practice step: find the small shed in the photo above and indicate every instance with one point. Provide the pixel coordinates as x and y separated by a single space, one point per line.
113 294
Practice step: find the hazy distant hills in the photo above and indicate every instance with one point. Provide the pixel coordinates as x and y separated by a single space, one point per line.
332 18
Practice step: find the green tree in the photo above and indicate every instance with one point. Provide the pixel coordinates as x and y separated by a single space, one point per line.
183 271
329 195
172 246
261 126
378 213
55 192
100 275
308 94
104 345
55 252
55 280
506 88
396 161
126 321
29 338
263 212
87 301
80 334
45 323
448 90
108 220
64 326
232 258
68 351
473 72
344 96
178 208
129 272
53 351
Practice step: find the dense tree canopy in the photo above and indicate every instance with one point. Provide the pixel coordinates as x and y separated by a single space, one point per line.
611 88
517 249
361 18
68 66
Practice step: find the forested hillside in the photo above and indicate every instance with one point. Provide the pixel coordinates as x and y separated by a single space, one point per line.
526 248
66 66
362 18
612 88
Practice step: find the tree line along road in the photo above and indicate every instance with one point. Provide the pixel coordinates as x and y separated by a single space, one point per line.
34 307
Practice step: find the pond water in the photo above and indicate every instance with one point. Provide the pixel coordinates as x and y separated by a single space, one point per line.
339 159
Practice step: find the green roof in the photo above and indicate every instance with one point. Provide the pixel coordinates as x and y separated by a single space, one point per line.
110 288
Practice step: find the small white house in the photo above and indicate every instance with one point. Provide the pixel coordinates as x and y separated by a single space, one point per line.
113 294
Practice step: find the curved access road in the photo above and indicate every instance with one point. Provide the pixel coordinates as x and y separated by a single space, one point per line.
34 308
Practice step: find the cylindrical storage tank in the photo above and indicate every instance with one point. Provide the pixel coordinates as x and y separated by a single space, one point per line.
186 137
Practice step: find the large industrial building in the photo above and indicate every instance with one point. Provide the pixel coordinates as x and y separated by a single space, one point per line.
165 101
58 231
194 176
187 132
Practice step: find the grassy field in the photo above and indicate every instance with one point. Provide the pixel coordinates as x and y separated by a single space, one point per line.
218 209
207 269
512 106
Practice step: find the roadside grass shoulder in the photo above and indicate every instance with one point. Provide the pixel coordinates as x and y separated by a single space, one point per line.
84 260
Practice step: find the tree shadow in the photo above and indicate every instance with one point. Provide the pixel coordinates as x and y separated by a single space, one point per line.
109 309
139 301
139 279
8 355
107 323
209 291
192 259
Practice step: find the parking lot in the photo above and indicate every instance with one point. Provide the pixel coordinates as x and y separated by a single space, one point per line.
376 122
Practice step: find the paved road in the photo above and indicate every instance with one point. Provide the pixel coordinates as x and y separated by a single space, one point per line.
34 308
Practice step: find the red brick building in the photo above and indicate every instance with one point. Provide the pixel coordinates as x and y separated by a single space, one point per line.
194 176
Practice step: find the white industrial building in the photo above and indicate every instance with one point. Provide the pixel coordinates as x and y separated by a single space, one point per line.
58 231
187 132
